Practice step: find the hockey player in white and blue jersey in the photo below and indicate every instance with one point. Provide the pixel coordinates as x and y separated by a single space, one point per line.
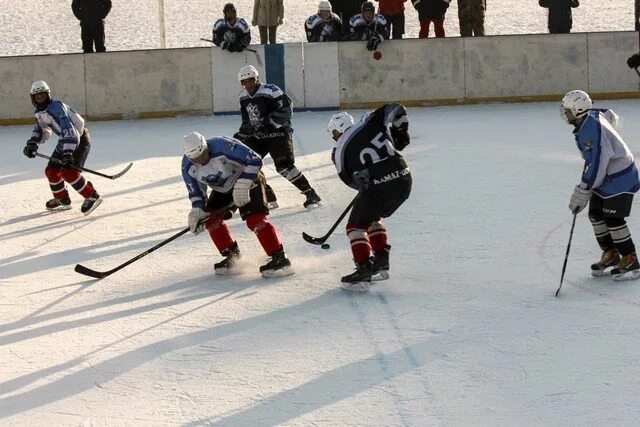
232 171
609 181
325 26
74 144
231 33
369 26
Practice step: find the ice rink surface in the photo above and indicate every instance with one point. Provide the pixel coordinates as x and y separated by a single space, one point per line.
466 331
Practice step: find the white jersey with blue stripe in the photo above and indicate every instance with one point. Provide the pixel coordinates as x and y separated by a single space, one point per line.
609 166
229 161
62 120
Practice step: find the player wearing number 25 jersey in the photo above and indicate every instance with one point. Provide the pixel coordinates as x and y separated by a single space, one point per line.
367 159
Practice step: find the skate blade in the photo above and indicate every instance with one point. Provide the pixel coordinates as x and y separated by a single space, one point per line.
226 271
380 275
356 286
281 272
59 208
95 205
313 206
601 273
629 275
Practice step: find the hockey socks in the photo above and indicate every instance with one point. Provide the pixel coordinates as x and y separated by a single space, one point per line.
57 178
266 232
360 245
377 236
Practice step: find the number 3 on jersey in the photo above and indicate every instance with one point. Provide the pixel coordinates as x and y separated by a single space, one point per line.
383 149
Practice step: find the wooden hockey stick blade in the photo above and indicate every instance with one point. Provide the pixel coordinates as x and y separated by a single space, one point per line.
122 172
91 273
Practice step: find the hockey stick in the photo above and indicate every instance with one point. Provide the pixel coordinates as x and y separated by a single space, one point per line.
566 257
115 176
321 240
258 59
637 71
102 274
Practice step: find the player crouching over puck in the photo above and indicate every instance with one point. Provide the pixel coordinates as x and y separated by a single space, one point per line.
367 159
609 181
232 171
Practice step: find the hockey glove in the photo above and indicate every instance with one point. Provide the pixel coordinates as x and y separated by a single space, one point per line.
30 149
579 199
361 179
400 138
241 192
374 41
634 61
194 218
68 161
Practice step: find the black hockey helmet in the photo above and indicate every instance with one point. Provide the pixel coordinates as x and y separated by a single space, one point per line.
368 7
229 7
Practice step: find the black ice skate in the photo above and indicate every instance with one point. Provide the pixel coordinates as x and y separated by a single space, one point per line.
627 269
278 266
229 265
380 264
91 203
313 200
59 204
360 279
609 258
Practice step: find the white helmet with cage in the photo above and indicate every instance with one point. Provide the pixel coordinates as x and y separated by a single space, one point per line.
575 105
248 72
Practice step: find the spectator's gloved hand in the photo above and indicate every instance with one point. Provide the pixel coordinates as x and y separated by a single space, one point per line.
30 149
401 138
579 199
236 47
254 22
361 179
280 21
68 161
374 41
634 61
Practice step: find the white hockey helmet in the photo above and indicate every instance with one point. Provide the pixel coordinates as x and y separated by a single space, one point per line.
194 145
340 122
40 87
324 6
575 104
248 72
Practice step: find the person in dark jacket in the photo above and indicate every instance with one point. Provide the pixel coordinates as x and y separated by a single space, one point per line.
91 14
231 33
431 11
560 20
393 11
471 16
346 9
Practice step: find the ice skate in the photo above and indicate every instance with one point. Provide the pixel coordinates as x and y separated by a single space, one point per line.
627 269
313 200
59 204
609 258
359 280
380 264
229 265
91 203
278 266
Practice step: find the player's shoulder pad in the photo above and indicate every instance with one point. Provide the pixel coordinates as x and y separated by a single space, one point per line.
243 94
356 20
381 19
219 24
242 23
57 108
336 17
270 90
312 21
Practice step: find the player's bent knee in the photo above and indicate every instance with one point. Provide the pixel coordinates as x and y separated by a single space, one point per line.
256 222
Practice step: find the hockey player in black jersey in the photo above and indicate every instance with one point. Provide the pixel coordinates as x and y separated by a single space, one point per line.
325 26
266 129
367 159
231 33
369 26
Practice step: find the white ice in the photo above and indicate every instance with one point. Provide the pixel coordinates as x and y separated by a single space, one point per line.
466 331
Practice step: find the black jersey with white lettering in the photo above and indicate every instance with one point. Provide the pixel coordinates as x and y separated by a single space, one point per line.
321 30
268 110
360 29
369 144
237 35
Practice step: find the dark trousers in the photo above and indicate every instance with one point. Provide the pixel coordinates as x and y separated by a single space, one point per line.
396 24
267 33
92 33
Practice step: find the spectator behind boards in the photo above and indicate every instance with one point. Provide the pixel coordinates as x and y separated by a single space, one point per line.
346 9
325 26
267 15
471 16
393 11
560 21
431 11
91 14
231 33
369 26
